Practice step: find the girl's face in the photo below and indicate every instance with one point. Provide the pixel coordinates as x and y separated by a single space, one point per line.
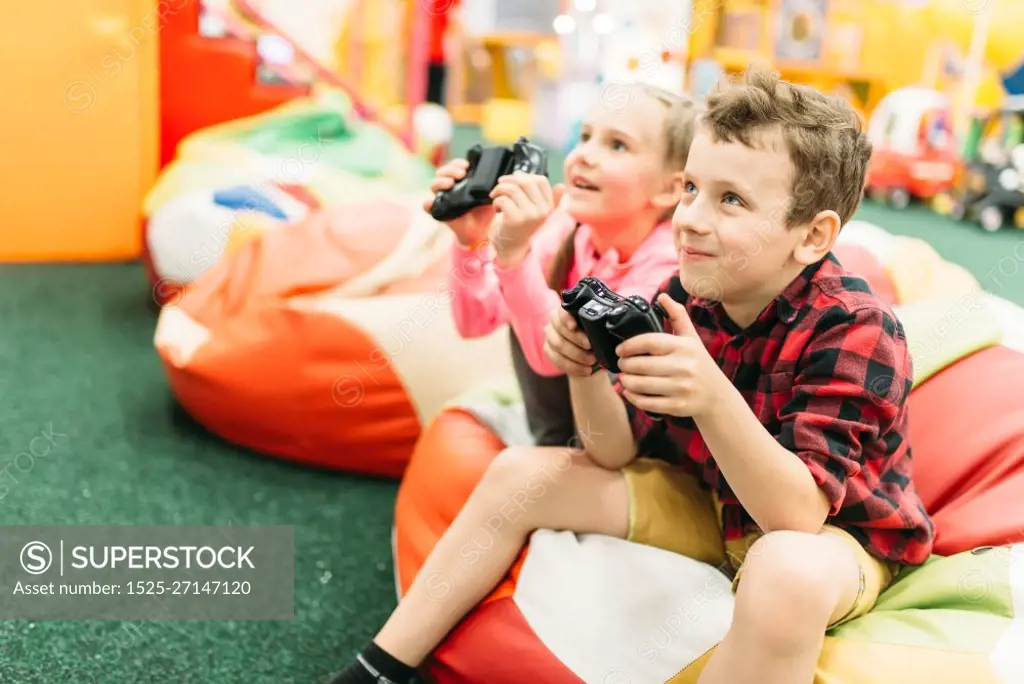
617 165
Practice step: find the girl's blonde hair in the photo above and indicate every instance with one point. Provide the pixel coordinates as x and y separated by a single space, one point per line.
678 130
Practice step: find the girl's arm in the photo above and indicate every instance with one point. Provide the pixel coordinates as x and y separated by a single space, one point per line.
530 301
478 306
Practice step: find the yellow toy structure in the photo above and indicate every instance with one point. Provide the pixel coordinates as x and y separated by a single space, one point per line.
372 52
867 48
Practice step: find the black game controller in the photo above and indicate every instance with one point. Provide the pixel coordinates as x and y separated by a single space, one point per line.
486 166
608 318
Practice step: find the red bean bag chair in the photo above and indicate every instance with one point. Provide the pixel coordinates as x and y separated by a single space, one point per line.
587 608
967 432
328 342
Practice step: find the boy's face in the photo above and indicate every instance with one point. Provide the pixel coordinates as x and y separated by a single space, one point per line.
730 226
616 165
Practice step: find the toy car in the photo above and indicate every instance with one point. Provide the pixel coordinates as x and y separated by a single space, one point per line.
914 155
990 189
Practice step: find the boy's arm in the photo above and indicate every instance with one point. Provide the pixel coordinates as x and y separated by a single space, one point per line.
852 382
477 303
606 430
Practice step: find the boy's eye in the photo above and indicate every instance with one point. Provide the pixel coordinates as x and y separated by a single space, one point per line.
584 136
618 145
732 198
690 187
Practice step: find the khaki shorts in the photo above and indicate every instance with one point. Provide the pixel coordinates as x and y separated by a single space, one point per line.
669 509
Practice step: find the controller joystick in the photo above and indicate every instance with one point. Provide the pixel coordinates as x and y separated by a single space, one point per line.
486 166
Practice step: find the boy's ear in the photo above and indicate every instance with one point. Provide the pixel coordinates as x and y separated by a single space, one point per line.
672 194
819 237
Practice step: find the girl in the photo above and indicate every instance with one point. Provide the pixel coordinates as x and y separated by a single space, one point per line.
611 220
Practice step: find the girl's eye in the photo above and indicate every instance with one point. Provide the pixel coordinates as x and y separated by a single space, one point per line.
690 187
618 145
731 198
584 137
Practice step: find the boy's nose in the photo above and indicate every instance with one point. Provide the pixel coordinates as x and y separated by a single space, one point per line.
687 219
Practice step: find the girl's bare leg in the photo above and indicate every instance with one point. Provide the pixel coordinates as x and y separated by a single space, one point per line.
524 489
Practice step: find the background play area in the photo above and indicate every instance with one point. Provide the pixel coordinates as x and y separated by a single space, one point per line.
212 239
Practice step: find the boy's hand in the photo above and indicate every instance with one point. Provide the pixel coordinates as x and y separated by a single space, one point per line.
473 227
670 374
567 347
524 201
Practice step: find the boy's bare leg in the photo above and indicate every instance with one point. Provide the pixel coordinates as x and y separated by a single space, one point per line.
524 489
793 586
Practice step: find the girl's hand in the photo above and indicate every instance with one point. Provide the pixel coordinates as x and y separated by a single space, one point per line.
567 347
524 201
473 227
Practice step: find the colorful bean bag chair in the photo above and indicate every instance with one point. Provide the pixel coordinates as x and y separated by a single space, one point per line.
588 608
263 171
329 342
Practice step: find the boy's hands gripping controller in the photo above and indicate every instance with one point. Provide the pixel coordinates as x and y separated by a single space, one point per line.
608 318
486 166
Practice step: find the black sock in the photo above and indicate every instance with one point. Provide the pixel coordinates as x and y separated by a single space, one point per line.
375 666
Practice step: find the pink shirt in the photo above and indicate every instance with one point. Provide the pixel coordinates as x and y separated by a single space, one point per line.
486 296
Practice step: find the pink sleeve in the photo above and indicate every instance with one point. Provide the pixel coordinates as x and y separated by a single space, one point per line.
527 296
530 302
477 304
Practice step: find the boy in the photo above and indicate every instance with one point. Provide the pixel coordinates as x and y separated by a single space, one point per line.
783 386
782 457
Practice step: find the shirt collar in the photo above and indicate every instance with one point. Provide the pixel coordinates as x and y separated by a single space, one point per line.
586 251
784 307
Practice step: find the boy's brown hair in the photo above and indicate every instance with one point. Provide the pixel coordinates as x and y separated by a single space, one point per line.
823 135
678 130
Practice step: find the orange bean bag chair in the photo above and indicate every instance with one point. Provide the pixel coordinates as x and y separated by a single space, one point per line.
587 608
328 342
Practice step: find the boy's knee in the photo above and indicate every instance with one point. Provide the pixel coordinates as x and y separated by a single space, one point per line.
792 575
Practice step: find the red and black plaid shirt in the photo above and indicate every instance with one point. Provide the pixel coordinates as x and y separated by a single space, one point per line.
826 369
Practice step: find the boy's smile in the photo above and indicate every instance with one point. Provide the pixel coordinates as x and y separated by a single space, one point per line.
688 253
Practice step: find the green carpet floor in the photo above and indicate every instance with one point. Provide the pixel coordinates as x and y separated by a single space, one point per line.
76 353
